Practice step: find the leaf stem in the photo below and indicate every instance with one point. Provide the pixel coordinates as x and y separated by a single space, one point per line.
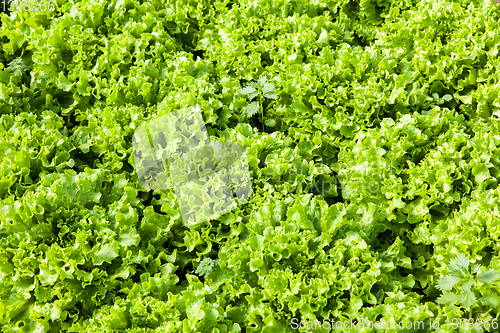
262 116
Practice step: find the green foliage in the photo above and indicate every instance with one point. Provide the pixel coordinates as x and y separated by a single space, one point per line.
375 164
206 266
260 90
464 279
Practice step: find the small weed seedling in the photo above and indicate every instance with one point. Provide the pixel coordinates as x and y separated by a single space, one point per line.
260 90
464 280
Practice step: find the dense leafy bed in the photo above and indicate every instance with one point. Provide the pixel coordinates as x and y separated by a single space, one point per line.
393 104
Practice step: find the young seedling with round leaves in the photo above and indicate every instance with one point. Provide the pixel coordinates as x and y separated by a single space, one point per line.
458 285
207 266
259 90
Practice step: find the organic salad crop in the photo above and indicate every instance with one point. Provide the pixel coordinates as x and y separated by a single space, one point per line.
371 134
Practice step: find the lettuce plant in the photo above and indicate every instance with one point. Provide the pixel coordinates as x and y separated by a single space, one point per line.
391 105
